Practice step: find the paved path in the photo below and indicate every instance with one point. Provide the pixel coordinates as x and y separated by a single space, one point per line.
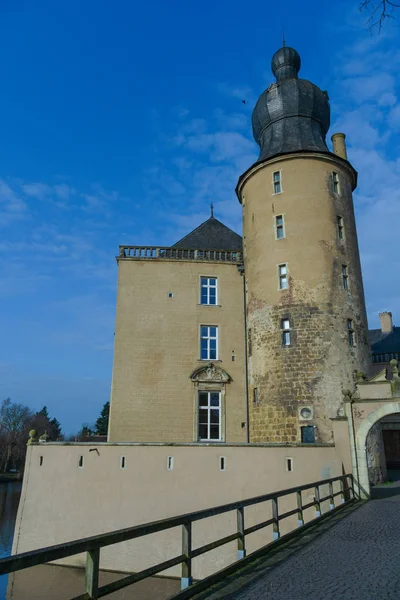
357 558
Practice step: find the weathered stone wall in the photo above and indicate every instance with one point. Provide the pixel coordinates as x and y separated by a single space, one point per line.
319 364
157 348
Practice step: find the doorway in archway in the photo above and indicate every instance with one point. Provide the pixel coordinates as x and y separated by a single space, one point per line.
383 450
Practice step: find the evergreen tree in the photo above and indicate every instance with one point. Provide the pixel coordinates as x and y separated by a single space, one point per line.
44 412
101 426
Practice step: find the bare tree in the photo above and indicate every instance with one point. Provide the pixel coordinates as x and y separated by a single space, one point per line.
14 420
380 11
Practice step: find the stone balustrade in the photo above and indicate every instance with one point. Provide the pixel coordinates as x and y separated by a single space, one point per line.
157 253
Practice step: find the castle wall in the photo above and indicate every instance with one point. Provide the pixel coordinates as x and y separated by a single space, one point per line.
319 363
101 497
157 347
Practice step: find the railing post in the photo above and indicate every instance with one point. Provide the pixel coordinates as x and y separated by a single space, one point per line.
353 494
331 498
275 516
92 572
342 496
300 517
317 502
241 545
186 579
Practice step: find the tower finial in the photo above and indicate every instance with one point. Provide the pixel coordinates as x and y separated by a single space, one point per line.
212 209
283 37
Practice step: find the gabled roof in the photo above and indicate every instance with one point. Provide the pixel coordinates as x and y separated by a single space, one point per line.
211 235
384 343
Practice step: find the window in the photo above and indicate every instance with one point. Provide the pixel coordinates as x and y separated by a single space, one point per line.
345 277
209 416
208 342
208 293
255 395
277 183
289 464
307 434
285 329
40 461
123 462
170 463
249 343
283 279
222 463
340 228
335 182
80 463
352 335
279 227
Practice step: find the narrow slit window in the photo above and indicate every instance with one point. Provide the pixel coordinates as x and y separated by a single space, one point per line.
222 463
279 227
345 277
285 332
283 277
249 343
123 462
340 227
40 461
335 182
351 332
80 463
289 464
255 396
170 463
277 182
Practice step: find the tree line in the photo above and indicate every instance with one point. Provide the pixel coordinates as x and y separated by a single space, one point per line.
17 420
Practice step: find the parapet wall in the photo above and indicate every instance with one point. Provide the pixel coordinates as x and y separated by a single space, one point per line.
66 497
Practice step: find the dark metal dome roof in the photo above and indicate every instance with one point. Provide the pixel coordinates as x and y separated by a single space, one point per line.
292 114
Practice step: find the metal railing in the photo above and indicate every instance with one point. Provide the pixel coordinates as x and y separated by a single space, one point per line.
155 252
92 545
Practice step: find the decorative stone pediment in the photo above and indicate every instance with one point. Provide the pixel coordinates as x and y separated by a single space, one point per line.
210 373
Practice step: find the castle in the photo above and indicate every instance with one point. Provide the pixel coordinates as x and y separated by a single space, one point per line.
226 339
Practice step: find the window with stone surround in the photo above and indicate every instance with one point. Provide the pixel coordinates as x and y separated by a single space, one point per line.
279 227
335 182
277 182
209 416
340 227
208 342
351 332
285 332
249 343
283 276
208 290
345 277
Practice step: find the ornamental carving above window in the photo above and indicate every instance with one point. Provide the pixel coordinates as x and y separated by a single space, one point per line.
210 372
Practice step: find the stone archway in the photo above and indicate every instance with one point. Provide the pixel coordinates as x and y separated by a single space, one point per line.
361 466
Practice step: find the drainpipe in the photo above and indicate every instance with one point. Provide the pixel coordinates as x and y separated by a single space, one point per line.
246 387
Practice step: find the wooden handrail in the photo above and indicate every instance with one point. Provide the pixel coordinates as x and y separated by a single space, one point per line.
92 545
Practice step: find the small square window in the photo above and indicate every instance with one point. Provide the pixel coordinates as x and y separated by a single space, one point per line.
279 227
208 290
283 278
277 182
170 295
335 182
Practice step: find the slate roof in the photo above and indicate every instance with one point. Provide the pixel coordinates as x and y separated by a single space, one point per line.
384 343
211 235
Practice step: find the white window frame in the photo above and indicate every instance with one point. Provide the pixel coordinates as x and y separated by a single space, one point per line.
286 330
345 277
277 182
208 408
208 337
340 227
335 182
351 333
279 226
208 286
282 276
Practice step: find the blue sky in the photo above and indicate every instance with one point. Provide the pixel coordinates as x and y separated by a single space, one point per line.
120 122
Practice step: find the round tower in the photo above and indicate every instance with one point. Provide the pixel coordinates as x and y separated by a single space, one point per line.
306 318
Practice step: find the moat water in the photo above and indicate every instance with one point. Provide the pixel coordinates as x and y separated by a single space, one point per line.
47 582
